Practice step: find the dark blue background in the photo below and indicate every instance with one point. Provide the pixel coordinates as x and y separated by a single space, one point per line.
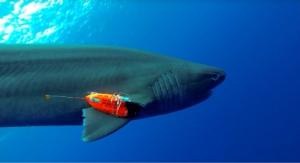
253 116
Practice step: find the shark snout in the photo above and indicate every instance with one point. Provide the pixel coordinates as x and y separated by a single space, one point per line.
217 76
202 77
210 77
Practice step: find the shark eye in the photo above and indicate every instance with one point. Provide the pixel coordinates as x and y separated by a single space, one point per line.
214 76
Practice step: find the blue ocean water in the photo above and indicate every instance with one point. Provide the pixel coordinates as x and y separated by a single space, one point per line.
253 116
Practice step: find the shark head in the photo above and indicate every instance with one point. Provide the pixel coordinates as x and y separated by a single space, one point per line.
197 81
183 85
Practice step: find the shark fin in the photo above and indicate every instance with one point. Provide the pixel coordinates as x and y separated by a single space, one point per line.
97 124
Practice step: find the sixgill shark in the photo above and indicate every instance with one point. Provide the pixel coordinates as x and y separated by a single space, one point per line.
155 84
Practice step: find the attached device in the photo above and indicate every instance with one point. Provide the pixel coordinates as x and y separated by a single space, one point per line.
113 104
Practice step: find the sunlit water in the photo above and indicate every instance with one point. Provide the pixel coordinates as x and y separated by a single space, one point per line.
41 21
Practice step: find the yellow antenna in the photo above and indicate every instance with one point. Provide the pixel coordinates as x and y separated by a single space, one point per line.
48 97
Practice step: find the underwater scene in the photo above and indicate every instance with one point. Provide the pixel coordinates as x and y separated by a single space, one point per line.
149 81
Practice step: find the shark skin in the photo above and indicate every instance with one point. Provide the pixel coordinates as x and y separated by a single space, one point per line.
159 84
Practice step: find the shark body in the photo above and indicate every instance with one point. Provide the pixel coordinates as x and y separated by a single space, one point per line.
158 84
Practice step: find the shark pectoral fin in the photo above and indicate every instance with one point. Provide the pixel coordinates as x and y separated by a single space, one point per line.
97 124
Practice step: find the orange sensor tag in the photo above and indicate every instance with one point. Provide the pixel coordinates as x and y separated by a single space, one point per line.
112 104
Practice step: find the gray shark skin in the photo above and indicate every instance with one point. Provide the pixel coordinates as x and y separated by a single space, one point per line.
159 84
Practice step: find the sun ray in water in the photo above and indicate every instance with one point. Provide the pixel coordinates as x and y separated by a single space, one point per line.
24 21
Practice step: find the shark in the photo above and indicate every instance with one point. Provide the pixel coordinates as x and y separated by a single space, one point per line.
156 84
